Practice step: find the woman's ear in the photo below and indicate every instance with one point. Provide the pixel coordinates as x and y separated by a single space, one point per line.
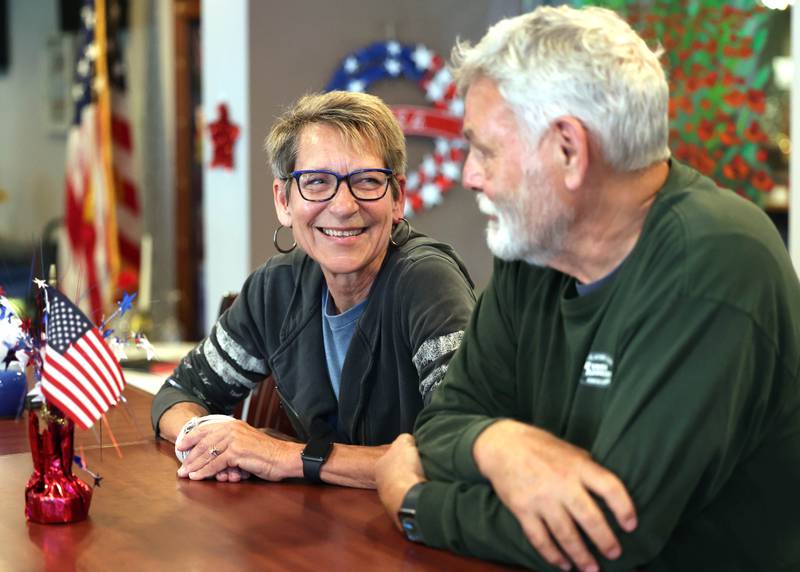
399 203
280 195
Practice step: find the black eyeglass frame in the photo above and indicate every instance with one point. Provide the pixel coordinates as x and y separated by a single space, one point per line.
339 178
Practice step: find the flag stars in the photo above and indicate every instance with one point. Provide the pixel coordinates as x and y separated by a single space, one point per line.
87 15
83 68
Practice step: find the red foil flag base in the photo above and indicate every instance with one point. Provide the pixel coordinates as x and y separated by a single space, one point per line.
53 494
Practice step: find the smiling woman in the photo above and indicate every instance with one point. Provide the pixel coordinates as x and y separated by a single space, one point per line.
348 236
357 324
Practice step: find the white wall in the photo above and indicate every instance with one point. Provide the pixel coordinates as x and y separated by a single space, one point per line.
226 193
31 157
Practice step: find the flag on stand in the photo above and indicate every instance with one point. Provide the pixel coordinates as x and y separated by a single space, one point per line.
80 374
123 151
90 264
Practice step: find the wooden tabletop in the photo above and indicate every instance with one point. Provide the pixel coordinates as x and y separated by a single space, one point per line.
145 518
129 422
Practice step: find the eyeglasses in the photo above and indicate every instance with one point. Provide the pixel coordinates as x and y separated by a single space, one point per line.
320 185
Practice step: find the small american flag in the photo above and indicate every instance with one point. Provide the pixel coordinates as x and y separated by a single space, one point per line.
80 374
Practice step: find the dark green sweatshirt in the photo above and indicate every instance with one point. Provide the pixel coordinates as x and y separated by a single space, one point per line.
680 375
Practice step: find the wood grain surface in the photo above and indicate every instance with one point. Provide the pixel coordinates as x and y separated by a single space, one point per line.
145 518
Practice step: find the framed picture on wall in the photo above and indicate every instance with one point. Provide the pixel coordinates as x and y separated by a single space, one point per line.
58 69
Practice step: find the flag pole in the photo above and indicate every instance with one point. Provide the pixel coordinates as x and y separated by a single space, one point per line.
104 109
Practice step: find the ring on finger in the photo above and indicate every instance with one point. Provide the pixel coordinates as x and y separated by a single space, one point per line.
213 452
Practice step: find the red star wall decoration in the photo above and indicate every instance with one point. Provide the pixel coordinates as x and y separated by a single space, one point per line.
224 134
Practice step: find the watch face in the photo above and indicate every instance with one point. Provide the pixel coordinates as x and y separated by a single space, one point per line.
317 450
410 528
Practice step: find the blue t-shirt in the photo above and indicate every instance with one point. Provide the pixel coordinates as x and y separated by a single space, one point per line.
584 289
337 331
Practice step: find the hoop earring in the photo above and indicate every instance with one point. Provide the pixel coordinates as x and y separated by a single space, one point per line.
275 241
408 232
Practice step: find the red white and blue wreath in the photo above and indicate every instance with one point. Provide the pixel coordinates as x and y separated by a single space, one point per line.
441 169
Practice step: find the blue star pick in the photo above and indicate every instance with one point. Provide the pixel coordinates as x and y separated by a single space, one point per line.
126 303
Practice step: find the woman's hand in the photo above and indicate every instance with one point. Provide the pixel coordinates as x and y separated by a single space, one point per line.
235 450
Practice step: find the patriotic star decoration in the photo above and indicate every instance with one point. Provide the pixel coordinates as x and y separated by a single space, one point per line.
438 171
117 346
422 57
14 343
441 145
429 166
431 194
126 303
456 107
143 343
224 134
451 170
351 65
356 85
82 464
379 60
11 355
40 283
393 67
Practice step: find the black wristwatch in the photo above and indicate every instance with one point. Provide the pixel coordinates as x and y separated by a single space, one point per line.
314 455
408 514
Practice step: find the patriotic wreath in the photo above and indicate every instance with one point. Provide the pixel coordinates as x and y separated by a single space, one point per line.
440 170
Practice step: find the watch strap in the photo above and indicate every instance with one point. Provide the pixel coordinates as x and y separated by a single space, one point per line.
314 456
407 515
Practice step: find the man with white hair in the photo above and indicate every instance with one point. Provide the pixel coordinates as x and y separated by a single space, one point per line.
627 393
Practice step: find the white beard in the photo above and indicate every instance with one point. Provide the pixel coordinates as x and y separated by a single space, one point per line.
531 226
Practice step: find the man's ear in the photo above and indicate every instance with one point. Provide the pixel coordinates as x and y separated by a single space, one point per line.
573 150
281 198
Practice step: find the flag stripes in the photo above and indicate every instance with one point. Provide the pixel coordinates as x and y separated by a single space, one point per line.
79 371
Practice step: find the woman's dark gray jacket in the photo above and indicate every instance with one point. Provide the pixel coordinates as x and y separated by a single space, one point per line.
413 322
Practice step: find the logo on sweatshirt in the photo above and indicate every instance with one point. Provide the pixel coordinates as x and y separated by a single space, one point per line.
598 370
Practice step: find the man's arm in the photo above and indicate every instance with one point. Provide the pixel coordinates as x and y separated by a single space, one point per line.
677 397
478 391
467 517
549 484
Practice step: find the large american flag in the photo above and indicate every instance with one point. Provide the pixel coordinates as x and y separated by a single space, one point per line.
123 148
80 374
90 264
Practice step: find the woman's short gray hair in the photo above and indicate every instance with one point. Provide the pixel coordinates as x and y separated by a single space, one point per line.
361 118
586 63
